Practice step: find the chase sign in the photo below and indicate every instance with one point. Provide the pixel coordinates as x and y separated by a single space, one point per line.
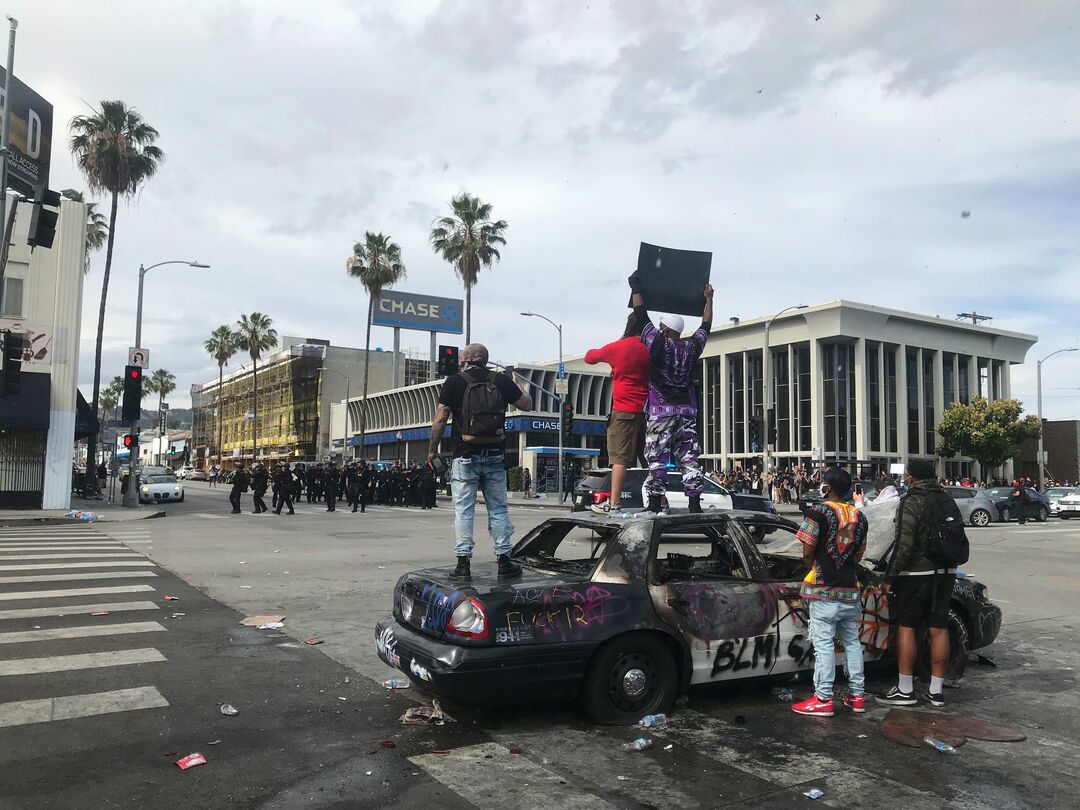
425 313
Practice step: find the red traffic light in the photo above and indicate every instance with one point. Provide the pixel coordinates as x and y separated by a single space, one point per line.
134 373
130 440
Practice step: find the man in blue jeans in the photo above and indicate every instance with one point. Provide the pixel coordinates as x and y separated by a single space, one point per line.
833 534
477 399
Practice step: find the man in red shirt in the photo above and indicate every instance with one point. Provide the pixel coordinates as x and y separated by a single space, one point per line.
629 361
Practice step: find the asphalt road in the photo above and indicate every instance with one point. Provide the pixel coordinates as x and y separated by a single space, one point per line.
331 575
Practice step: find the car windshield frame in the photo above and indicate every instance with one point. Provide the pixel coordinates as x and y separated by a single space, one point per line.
168 480
606 534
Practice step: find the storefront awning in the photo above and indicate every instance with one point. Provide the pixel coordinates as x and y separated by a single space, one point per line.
28 409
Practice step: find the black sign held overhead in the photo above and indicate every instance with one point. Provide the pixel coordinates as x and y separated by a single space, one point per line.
30 138
674 280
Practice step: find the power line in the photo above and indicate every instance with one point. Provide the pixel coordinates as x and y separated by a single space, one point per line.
974 317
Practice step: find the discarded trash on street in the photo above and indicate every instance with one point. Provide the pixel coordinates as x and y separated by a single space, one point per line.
669 746
171 598
814 793
389 744
515 750
640 744
313 641
270 626
396 683
100 613
255 621
652 720
190 761
943 747
624 778
784 694
214 742
229 710
424 715
178 615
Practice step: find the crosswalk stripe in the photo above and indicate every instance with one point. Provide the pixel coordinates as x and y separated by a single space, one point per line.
93 555
787 764
504 780
26 712
76 610
76 577
60 594
68 663
101 564
80 547
86 631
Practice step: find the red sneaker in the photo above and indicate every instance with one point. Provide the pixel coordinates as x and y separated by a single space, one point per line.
857 703
814 707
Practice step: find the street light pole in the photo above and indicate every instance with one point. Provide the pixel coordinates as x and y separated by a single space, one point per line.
767 389
5 128
1038 406
131 497
559 375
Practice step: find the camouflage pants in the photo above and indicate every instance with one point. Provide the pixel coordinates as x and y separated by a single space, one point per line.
673 438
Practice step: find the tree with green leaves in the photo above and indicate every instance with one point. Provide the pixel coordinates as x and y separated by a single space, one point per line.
162 383
376 262
989 432
116 151
255 335
468 239
221 345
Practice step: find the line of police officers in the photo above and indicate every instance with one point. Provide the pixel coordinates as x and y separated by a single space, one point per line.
358 484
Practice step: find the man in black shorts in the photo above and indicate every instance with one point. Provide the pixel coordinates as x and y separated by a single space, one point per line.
920 591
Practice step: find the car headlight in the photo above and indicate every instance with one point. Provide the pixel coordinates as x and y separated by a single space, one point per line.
406 605
146 490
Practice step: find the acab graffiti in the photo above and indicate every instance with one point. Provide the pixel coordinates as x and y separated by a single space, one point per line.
560 611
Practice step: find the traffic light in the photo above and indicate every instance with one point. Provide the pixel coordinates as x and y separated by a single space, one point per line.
42 227
132 408
12 363
772 426
755 434
448 361
131 440
567 420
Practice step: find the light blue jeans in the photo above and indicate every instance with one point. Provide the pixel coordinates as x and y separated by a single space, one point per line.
829 621
487 474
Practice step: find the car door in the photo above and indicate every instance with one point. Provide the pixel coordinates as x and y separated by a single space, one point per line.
703 585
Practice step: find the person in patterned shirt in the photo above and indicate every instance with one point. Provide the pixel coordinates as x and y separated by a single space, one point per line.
833 534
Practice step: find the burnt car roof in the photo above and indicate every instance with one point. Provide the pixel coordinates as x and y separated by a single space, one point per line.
672 517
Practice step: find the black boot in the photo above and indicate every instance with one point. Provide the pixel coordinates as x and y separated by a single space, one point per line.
654 504
695 504
462 571
508 568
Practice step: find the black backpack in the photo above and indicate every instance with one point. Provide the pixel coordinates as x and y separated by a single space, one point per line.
943 535
483 410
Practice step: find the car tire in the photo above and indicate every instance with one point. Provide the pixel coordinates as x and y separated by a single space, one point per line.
621 667
959 649
1044 514
182 498
980 517
1006 516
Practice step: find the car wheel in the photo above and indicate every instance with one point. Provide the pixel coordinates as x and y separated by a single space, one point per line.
1005 516
182 498
629 677
980 517
1044 513
959 648
1064 517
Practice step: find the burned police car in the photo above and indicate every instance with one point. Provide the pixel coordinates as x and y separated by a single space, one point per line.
623 613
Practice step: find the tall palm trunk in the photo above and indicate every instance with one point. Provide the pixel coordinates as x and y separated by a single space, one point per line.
91 442
367 358
255 409
220 387
468 314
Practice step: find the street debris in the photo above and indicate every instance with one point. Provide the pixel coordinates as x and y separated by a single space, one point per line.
814 793
623 778
86 517
943 747
190 761
515 750
270 626
640 744
912 728
740 720
388 744
171 598
982 659
178 615
669 746
100 613
424 715
214 742
682 701
315 640
255 621
229 710
396 683
652 720
784 694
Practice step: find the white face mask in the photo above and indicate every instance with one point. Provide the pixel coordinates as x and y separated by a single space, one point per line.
823 489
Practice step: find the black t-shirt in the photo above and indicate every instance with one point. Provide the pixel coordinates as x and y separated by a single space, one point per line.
453 392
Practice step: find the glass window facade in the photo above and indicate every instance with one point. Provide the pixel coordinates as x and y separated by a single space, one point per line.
873 384
736 405
929 423
912 360
778 366
890 399
948 366
802 399
838 378
963 381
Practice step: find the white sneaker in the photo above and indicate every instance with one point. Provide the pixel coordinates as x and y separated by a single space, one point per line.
602 508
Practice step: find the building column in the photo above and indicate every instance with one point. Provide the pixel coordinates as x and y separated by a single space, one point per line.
817 402
722 427
973 377
747 398
862 412
1006 380
901 403
939 404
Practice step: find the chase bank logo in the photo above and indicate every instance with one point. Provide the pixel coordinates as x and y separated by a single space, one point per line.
450 313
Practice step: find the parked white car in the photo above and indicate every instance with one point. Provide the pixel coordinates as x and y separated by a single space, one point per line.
184 472
160 489
1055 494
1069 506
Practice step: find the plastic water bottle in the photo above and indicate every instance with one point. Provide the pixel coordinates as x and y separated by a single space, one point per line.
943 747
396 683
640 744
651 720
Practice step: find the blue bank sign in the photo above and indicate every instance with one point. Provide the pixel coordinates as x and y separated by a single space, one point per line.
426 313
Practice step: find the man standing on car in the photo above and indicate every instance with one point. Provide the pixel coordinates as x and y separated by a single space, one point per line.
239 484
920 590
477 398
671 407
833 534
629 361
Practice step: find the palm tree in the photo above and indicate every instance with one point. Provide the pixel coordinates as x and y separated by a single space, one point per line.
221 345
108 401
96 229
254 335
162 383
377 263
114 148
468 240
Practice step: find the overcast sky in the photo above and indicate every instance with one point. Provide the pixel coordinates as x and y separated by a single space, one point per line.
816 159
